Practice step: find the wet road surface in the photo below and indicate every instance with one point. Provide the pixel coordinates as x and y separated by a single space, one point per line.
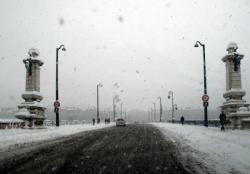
114 150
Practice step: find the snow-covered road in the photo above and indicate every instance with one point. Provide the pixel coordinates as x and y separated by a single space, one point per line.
224 152
135 148
14 137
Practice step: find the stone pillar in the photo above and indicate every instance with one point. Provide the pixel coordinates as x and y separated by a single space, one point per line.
31 110
234 106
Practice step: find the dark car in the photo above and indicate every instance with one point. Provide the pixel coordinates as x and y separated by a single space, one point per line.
120 122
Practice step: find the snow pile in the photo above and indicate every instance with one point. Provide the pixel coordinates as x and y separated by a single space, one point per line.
225 152
13 137
3 120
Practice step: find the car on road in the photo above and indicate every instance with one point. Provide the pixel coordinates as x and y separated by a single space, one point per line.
120 122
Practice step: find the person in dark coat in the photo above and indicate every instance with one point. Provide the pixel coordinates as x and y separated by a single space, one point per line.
93 121
182 120
222 120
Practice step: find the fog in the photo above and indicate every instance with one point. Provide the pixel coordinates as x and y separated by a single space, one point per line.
137 49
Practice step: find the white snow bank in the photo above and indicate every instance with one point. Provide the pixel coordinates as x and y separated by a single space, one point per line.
3 120
10 137
225 152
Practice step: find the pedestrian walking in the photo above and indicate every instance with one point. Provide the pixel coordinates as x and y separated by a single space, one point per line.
93 121
222 120
182 120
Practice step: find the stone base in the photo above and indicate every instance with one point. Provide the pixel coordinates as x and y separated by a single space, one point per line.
240 119
30 124
32 120
34 127
246 123
234 123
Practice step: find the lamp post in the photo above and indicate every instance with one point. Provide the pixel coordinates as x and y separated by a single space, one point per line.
97 111
174 106
154 112
205 104
125 115
160 108
121 110
57 90
151 114
114 99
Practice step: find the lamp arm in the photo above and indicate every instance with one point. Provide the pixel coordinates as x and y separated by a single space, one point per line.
200 43
60 47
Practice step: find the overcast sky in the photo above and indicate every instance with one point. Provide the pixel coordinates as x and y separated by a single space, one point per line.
145 46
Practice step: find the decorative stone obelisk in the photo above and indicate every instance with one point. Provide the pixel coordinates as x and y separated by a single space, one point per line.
31 110
235 108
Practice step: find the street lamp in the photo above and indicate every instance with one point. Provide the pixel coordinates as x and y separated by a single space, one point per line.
121 109
160 108
125 115
151 114
154 112
57 91
97 112
205 104
114 100
174 106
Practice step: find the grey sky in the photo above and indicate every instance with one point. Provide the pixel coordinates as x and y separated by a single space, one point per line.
146 46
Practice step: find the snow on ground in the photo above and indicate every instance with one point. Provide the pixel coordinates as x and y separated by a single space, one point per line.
224 152
12 137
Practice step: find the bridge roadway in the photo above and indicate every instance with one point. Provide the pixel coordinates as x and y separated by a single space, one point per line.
136 148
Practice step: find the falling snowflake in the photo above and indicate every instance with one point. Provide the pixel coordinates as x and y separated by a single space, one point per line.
116 85
61 21
168 4
120 19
